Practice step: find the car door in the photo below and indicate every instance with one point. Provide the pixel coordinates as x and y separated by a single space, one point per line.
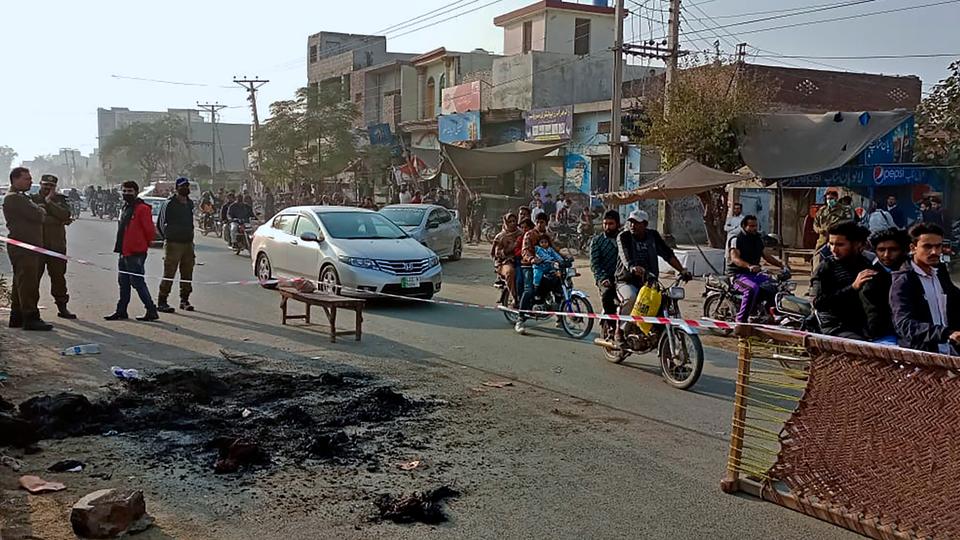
304 257
448 232
433 234
280 243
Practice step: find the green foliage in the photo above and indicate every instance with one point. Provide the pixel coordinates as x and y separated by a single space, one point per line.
938 122
149 147
705 103
306 138
7 155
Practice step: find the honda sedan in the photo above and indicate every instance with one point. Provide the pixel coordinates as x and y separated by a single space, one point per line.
352 251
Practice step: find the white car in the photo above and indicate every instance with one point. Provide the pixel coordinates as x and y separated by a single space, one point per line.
353 251
432 225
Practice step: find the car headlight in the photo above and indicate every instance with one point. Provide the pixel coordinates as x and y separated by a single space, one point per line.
434 261
359 262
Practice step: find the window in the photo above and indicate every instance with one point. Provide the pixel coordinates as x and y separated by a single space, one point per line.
285 223
360 226
440 87
581 37
528 36
428 109
434 218
404 217
305 224
313 54
443 216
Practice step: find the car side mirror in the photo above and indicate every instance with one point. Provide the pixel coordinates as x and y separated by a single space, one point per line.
433 225
310 237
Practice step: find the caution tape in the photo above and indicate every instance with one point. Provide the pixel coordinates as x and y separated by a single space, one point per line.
297 282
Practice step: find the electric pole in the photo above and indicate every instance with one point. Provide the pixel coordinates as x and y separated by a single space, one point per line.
616 172
673 46
212 109
251 86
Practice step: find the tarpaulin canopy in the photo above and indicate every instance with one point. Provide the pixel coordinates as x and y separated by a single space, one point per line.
787 145
493 160
686 179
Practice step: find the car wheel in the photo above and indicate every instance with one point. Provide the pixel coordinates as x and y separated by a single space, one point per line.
457 250
265 272
329 280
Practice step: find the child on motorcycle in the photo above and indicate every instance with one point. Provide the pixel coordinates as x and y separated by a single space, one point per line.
546 275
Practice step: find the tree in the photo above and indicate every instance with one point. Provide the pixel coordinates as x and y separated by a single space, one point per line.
938 122
306 138
7 155
151 147
705 103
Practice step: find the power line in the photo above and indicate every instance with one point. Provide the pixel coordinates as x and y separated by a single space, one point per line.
805 12
864 57
161 81
765 12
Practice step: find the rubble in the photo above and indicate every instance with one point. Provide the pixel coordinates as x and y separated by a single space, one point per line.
108 513
419 506
36 485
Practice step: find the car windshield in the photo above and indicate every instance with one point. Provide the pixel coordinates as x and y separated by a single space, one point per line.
360 226
404 217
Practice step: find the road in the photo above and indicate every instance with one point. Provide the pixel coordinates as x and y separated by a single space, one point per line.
578 446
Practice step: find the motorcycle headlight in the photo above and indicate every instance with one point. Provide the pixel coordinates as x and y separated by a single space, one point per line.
434 261
359 262
676 293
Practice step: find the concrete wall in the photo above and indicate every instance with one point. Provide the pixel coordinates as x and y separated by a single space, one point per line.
560 31
338 54
512 83
408 93
469 63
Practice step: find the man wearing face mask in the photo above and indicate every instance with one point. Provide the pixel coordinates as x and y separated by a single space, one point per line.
25 222
175 224
55 239
135 232
827 216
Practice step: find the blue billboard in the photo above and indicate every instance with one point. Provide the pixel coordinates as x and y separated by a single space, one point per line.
458 127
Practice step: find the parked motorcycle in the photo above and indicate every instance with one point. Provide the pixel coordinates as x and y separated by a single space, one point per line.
678 346
776 304
567 299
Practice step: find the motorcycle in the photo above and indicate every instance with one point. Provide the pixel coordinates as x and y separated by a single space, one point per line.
207 223
75 207
108 209
567 299
776 304
678 346
242 231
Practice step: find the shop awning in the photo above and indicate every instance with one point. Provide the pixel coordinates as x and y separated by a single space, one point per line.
787 145
493 160
686 179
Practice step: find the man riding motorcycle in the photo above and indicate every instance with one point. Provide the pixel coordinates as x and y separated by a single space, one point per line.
603 263
639 251
240 212
745 251
502 253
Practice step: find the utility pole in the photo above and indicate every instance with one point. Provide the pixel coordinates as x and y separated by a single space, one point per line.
673 55
212 109
616 172
741 53
251 86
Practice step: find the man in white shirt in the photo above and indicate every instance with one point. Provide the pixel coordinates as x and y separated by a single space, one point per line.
732 226
924 301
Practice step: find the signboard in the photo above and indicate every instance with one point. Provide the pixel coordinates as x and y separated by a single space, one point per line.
894 147
380 135
459 127
553 124
868 176
461 98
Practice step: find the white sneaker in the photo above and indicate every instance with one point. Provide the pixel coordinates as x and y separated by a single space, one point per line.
519 328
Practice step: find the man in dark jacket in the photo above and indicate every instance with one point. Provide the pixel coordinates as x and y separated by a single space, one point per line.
924 301
135 232
55 239
603 262
175 224
836 283
890 245
269 204
231 198
25 223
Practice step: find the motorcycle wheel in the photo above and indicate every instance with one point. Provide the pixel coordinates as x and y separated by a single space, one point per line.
511 316
616 356
718 308
682 370
577 327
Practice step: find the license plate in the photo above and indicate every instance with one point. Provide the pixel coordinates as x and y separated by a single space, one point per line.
410 282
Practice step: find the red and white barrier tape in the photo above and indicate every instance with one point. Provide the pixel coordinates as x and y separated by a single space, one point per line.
691 323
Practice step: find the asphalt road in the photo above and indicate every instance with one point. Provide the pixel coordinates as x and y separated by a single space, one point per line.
652 472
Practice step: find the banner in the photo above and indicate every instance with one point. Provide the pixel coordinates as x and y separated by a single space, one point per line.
459 127
553 124
461 98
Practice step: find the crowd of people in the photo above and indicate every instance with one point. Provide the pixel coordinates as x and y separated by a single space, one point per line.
886 285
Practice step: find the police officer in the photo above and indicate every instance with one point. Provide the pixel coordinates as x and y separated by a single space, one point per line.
55 239
25 223
176 225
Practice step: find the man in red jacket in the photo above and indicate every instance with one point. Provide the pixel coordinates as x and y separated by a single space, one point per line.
134 235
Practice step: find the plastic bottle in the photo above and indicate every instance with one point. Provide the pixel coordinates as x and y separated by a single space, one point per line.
126 374
77 350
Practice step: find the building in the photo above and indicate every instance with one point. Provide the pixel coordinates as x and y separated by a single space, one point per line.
232 140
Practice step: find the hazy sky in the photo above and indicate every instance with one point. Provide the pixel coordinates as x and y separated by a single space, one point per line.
59 56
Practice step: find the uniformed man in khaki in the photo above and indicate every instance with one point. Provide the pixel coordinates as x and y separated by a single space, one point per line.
24 223
55 239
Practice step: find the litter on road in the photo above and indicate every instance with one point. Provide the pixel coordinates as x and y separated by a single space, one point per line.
37 485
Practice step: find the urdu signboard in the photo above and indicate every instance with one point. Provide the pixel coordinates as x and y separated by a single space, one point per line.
553 124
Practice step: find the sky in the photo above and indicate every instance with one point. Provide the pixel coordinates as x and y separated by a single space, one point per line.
60 59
